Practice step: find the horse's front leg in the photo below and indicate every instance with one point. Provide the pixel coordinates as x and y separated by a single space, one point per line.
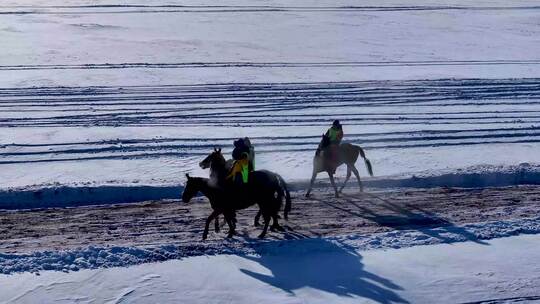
208 221
230 218
333 183
313 177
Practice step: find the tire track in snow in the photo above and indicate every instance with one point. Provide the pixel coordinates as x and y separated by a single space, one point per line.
141 9
243 64
509 110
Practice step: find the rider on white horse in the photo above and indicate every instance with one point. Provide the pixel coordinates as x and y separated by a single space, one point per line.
335 134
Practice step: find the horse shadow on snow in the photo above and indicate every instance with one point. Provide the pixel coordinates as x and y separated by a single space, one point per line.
406 218
321 265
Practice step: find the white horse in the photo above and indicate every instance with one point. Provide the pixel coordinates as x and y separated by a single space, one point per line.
346 154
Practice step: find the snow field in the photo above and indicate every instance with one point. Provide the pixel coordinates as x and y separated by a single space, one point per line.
314 271
421 86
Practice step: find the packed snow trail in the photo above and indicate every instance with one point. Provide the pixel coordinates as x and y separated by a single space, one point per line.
174 222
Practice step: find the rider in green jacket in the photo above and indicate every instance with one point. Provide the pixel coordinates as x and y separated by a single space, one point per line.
335 134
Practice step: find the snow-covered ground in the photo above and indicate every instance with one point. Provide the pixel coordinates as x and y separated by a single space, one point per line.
317 271
105 101
93 93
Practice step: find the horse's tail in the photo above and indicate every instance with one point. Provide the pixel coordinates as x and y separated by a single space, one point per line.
283 186
366 161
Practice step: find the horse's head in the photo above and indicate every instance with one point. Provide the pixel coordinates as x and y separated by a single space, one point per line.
191 188
213 157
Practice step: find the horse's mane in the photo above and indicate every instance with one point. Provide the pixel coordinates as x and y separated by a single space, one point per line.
200 179
219 166
325 142
218 161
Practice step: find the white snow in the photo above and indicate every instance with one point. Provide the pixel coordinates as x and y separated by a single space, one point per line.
322 271
91 96
105 101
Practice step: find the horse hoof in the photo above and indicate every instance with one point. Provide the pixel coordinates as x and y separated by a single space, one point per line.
307 195
261 236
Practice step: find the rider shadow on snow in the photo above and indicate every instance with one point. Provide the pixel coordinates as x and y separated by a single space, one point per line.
322 265
419 219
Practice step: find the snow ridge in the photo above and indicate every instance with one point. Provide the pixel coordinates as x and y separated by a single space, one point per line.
118 256
48 196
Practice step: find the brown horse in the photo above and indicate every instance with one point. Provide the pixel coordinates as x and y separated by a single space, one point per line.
346 154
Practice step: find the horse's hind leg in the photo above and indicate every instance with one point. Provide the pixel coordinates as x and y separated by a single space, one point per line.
216 224
275 224
257 218
266 218
355 171
349 171
232 226
333 183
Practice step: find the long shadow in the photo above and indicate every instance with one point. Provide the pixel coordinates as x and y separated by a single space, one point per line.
410 218
322 265
421 218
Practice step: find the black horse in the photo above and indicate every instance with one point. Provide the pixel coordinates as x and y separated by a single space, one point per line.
346 154
214 195
220 168
262 190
